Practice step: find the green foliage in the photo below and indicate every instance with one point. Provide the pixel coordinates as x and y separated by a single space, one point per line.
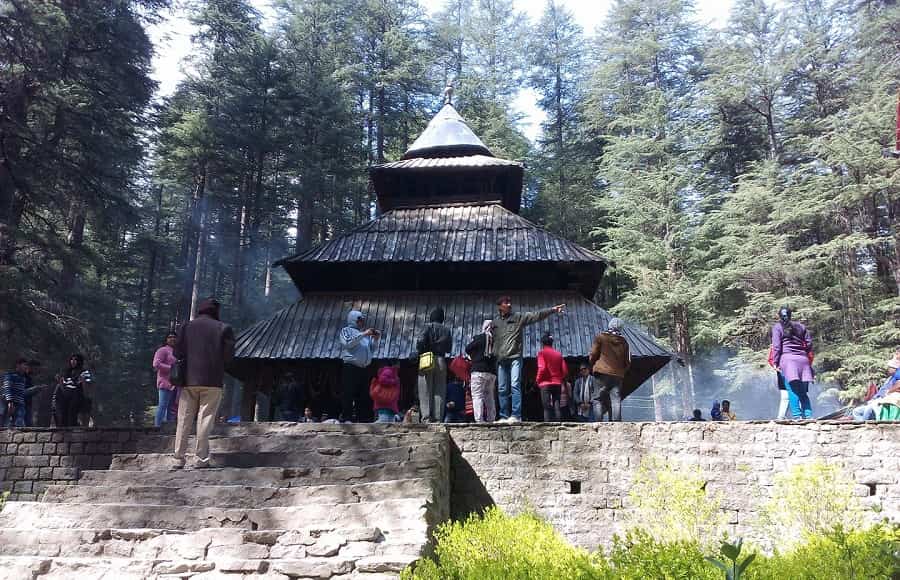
733 567
3 496
500 547
670 504
871 554
640 556
812 498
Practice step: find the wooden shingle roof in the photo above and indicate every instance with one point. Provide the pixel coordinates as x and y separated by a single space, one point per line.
308 329
471 233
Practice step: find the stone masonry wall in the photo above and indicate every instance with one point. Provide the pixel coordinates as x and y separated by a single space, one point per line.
32 459
578 475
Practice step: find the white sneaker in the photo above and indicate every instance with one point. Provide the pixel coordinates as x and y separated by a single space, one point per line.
513 419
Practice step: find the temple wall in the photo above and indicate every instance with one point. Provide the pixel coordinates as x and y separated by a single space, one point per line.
578 475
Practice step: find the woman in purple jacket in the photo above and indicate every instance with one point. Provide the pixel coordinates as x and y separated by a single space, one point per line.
791 345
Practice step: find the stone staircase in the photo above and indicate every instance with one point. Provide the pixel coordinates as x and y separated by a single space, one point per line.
284 501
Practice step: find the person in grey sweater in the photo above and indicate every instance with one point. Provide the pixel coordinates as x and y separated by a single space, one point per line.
508 329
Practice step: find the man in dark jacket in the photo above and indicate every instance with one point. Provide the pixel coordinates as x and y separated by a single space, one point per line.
207 345
435 338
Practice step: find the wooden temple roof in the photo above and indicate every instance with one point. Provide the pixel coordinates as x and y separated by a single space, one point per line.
468 233
308 329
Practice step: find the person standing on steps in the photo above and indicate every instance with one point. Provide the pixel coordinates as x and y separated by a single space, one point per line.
206 345
435 338
509 327
610 360
791 346
357 350
163 360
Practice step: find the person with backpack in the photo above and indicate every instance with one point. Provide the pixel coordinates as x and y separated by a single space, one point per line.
610 360
434 339
791 347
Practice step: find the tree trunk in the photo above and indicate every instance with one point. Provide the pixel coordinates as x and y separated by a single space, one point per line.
199 260
192 233
682 343
74 242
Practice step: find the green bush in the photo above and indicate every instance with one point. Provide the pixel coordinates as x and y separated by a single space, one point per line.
500 547
639 556
671 504
871 554
811 499
3 496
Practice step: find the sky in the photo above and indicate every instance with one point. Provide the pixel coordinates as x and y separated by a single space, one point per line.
173 44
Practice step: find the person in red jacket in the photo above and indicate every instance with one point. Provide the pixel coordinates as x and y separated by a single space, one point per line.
385 392
552 372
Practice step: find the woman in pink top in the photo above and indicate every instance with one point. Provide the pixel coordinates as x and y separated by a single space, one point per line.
552 372
162 364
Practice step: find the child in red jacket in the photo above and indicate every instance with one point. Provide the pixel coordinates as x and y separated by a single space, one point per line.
551 374
385 392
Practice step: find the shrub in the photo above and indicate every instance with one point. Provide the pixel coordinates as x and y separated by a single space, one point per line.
872 554
640 556
811 499
500 547
671 504
3 496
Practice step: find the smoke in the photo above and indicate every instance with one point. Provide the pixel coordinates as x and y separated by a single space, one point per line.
749 385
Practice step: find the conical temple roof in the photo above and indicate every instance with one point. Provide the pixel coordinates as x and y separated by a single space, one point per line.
447 135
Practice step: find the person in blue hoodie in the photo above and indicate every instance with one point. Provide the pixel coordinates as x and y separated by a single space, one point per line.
357 350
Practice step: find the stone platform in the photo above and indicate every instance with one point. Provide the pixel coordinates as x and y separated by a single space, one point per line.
285 501
359 501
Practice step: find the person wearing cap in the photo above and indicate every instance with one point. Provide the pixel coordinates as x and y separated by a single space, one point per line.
509 327
357 350
207 346
163 360
552 371
610 360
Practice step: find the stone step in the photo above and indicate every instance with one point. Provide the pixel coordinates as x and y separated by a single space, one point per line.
154 544
320 456
269 476
391 514
282 442
65 568
287 427
238 496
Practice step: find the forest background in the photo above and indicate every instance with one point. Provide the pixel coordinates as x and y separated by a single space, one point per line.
723 172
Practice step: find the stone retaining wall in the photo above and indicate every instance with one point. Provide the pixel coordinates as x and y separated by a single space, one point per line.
578 475
32 459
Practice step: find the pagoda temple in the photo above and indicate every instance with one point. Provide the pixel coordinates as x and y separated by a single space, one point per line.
448 234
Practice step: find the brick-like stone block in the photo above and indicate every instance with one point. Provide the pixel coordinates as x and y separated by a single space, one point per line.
23 487
31 461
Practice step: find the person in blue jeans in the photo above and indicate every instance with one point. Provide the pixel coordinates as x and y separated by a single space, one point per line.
508 329
791 345
12 394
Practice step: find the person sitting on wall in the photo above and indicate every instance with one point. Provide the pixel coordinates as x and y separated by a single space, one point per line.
308 416
454 411
357 350
698 416
610 359
727 413
509 327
